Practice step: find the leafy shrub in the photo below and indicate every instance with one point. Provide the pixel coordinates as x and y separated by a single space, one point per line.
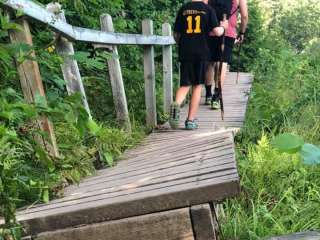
280 193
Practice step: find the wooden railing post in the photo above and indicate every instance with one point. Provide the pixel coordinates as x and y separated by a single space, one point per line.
149 76
31 84
167 69
119 95
70 68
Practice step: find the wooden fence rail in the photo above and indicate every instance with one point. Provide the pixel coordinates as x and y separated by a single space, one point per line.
38 12
66 34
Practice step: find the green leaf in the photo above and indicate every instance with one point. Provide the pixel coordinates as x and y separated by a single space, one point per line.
16 232
93 127
108 158
75 175
45 195
6 115
32 183
40 101
310 154
44 158
288 143
1 185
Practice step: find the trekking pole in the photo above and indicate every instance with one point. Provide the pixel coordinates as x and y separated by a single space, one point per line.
238 70
220 73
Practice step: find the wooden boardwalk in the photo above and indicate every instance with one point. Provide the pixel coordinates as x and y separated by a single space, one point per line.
169 170
235 97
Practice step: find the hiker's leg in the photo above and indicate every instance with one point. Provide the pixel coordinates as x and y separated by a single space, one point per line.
224 73
181 94
209 80
227 58
195 101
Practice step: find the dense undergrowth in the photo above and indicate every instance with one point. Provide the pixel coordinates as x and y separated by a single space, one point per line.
280 193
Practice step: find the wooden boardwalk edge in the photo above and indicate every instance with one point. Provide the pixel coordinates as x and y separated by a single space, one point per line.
137 207
171 170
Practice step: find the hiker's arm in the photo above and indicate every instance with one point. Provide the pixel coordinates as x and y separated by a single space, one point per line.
176 37
244 16
219 31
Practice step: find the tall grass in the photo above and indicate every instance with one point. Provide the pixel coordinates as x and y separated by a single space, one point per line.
279 193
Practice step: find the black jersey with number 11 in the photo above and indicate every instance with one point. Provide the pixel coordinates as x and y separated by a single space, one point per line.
194 22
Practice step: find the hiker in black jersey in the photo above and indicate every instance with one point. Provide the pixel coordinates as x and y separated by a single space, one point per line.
193 23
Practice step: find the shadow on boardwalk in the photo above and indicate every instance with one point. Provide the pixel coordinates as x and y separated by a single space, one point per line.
170 171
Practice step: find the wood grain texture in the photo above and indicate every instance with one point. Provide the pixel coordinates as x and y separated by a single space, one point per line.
171 169
299 236
69 67
115 74
167 69
32 86
38 12
203 222
169 225
149 76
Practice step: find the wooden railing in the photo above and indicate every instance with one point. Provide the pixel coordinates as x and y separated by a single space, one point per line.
107 39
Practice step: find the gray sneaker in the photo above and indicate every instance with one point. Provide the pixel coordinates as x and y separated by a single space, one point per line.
215 105
191 125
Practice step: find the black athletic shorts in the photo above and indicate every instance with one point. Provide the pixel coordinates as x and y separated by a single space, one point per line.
193 73
215 48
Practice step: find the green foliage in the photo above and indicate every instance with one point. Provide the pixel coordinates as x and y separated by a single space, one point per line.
288 143
27 172
279 195
310 154
29 175
282 49
281 191
302 20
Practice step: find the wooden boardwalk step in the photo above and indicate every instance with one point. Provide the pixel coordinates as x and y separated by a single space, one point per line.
170 172
299 236
204 172
170 225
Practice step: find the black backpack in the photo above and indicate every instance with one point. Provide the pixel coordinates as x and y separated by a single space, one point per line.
222 7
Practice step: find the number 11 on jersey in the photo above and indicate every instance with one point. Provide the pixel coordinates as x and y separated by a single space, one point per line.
190 24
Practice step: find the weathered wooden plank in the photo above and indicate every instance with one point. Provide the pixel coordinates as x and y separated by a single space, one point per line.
156 179
69 67
32 86
118 91
167 69
167 157
161 163
202 222
299 236
39 13
149 76
180 147
173 169
169 225
154 201
137 188
134 190
223 150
